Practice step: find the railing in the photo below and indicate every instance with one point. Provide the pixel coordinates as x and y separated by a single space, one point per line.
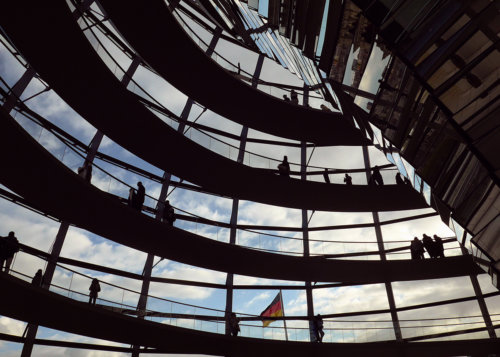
72 157
202 138
277 90
74 285
209 141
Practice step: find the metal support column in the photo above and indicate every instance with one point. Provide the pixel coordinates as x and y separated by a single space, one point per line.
211 47
232 233
305 226
10 103
480 299
232 240
305 240
18 89
234 210
63 228
482 306
148 266
380 243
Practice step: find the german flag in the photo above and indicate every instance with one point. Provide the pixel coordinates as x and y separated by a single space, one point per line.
275 309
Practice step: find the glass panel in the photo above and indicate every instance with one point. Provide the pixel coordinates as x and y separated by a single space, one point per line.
443 319
459 231
427 193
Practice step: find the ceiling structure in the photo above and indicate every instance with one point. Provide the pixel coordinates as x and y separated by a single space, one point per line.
417 81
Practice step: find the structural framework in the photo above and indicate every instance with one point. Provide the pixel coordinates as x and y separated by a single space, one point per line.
200 100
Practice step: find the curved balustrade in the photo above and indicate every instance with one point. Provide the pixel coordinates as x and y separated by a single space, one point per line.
128 123
201 136
277 90
230 151
74 285
343 249
265 241
27 303
268 114
245 237
57 189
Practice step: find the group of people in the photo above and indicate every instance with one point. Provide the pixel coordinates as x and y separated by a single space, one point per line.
374 180
434 247
294 98
136 200
94 288
284 170
9 246
317 326
347 178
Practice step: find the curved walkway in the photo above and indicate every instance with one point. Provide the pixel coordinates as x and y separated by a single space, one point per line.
30 171
24 302
79 76
173 54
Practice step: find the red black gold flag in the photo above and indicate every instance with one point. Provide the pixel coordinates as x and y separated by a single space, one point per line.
274 309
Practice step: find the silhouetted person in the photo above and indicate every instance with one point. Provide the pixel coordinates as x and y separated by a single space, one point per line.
377 177
8 247
348 179
399 179
284 167
285 98
38 278
132 198
168 213
325 176
318 328
94 290
141 194
294 97
371 181
429 245
234 325
417 249
438 246
387 86
85 171
325 108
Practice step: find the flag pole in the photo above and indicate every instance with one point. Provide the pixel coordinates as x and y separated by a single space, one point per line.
284 320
